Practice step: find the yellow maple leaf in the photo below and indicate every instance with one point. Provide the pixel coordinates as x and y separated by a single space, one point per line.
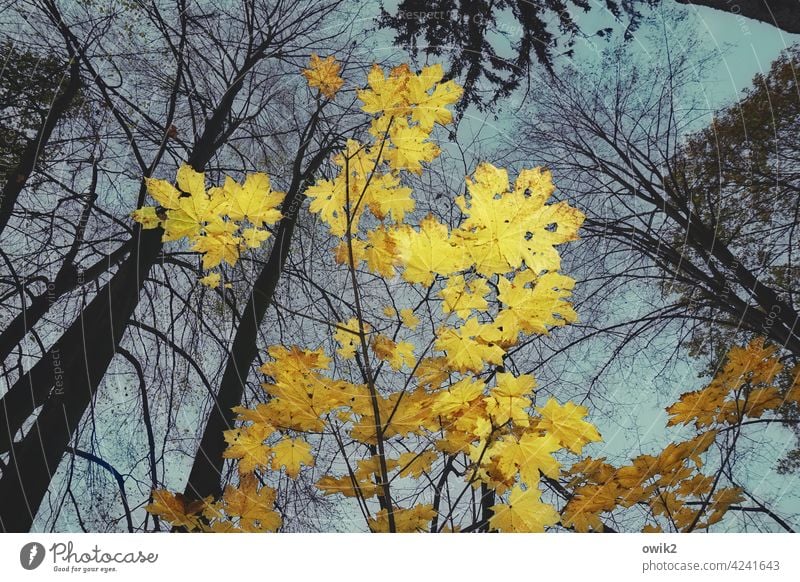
328 200
397 354
536 183
293 360
247 444
291 453
567 425
402 413
253 237
463 297
431 97
147 217
381 252
341 252
696 486
191 182
176 509
415 519
253 505
255 200
700 406
427 252
261 413
467 348
524 513
507 401
410 148
387 95
348 336
298 406
212 280
415 464
386 196
458 397
527 456
163 192
534 309
504 229
583 514
347 487
432 371
323 74
216 247
408 318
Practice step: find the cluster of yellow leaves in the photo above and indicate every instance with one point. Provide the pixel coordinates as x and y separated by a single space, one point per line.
743 388
247 507
369 175
220 222
671 483
301 395
497 275
521 263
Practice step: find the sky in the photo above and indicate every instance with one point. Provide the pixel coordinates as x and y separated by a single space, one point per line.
742 47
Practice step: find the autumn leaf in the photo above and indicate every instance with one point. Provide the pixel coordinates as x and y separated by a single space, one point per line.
431 97
323 74
212 280
254 200
408 318
524 513
415 519
527 455
410 148
345 486
567 425
507 401
348 336
252 504
291 454
163 192
415 464
427 252
147 217
397 354
467 348
191 182
463 297
458 397
247 445
176 509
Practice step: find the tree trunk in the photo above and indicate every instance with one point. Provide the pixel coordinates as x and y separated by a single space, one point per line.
205 476
67 378
65 281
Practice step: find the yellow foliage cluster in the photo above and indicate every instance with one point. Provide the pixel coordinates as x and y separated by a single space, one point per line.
744 387
670 485
220 222
496 273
